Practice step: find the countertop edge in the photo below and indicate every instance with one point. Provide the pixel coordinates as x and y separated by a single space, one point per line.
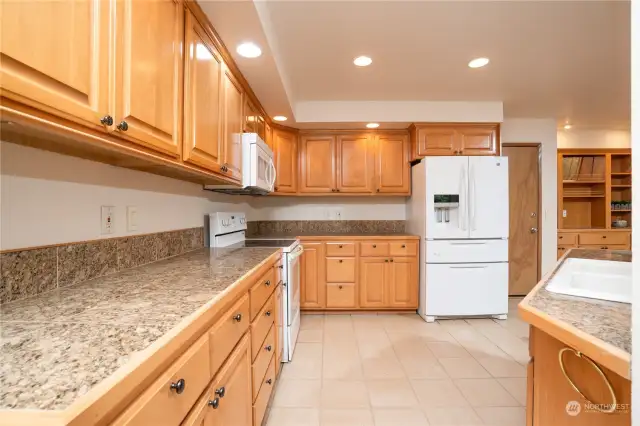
358 237
603 353
105 401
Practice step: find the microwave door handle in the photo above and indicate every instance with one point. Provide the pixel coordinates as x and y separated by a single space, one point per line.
273 174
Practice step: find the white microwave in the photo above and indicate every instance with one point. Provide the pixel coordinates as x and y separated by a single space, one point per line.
258 169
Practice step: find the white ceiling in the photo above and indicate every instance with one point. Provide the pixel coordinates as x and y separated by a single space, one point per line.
563 59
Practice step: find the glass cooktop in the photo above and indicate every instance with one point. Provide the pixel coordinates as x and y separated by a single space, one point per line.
268 243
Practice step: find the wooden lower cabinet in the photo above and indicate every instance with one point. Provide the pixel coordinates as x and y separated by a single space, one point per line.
228 401
594 239
312 275
551 400
373 280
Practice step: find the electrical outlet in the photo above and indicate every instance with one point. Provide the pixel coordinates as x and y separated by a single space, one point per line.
338 214
564 213
107 220
132 218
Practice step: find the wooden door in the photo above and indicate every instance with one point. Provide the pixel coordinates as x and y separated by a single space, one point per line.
403 282
232 125
478 140
285 146
436 140
393 172
202 98
55 56
235 408
524 214
552 392
355 163
312 276
317 164
149 68
373 282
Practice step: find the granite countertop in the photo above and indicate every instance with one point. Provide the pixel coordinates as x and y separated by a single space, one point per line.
606 323
57 346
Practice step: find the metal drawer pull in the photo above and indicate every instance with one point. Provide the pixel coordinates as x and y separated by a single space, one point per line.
340 261
614 402
340 246
178 386
374 246
404 246
339 287
214 403
237 317
220 392
267 283
268 313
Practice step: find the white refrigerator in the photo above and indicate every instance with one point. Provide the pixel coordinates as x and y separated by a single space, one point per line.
460 208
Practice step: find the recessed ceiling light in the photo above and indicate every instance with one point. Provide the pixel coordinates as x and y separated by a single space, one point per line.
249 50
567 126
362 61
373 125
478 62
280 118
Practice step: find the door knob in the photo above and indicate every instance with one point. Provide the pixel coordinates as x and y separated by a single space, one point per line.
534 214
533 230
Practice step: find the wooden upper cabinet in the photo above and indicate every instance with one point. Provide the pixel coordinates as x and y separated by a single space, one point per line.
455 139
436 141
55 56
232 125
478 140
268 136
250 117
285 146
317 164
149 68
312 276
393 171
355 158
202 98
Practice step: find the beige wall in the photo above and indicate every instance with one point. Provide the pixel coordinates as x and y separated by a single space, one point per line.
47 198
543 131
594 138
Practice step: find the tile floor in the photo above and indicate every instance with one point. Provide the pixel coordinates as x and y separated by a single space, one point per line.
397 370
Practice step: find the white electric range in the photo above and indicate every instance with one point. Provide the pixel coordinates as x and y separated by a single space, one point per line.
229 230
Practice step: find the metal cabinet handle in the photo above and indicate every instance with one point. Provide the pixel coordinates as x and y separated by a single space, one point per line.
374 246
107 120
604 236
339 287
340 246
267 283
267 348
386 260
378 190
178 386
390 260
269 381
600 407
220 391
268 313
404 246
214 403
123 126
237 317
340 261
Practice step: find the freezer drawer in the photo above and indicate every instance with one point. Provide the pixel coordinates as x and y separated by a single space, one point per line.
467 289
467 251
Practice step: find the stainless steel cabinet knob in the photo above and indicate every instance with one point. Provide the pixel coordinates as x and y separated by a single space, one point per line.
123 126
107 120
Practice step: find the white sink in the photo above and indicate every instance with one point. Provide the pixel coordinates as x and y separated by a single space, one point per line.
595 279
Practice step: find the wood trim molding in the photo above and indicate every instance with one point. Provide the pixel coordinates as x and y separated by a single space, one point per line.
366 132
594 151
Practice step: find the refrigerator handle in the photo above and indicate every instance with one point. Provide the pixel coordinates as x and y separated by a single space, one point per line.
463 209
472 198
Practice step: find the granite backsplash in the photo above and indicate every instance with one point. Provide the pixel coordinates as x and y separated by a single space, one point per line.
29 272
302 227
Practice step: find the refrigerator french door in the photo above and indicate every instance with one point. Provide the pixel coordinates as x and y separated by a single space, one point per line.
482 187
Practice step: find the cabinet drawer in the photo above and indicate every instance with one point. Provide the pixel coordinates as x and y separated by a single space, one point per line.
403 248
469 250
567 239
563 250
261 326
606 246
265 353
341 270
374 248
592 238
341 295
341 249
161 403
225 333
266 387
261 291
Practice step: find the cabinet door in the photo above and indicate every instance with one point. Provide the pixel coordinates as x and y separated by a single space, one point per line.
149 73
393 172
286 160
403 282
250 117
373 282
232 125
317 164
437 141
55 56
268 136
354 171
202 98
235 409
478 140
312 276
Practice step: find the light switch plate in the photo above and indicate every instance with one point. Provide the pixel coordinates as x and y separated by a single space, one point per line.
132 218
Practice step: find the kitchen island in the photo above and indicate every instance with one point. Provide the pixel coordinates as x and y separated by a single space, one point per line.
580 349
141 344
